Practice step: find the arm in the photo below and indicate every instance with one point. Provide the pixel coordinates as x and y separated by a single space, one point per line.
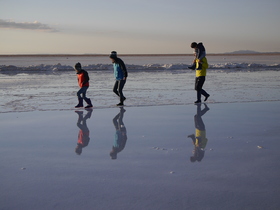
123 67
86 77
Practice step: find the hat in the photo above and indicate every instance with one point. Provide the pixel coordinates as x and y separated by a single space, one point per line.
113 54
78 66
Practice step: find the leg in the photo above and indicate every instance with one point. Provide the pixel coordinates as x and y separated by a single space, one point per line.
205 94
192 66
198 97
202 91
115 88
199 81
80 98
84 93
84 96
120 88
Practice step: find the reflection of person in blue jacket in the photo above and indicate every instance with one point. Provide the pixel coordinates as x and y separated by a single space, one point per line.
120 135
199 139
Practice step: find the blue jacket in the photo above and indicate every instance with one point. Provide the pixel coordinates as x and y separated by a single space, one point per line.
119 69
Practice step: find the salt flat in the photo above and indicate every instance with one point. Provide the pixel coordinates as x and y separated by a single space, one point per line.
41 170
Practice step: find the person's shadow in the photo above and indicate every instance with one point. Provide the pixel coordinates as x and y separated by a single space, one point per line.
199 138
120 134
83 136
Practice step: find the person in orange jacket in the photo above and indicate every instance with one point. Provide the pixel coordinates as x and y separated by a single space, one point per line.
83 81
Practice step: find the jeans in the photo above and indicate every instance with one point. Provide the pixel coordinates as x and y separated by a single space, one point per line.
82 92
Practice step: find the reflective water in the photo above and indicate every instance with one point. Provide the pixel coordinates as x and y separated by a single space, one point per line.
161 158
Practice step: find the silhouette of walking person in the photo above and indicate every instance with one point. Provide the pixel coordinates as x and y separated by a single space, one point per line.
120 135
83 136
199 138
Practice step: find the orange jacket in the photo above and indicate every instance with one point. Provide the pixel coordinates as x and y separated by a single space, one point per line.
83 78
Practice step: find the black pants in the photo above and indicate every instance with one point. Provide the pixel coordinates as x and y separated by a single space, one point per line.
199 81
118 87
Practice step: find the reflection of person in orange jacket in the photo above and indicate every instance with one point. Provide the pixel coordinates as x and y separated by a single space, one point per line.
199 139
120 135
83 137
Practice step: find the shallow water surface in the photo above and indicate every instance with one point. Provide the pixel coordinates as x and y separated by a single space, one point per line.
156 164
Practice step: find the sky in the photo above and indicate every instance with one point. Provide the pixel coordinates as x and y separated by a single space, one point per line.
138 26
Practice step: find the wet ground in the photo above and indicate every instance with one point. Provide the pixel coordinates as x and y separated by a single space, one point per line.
214 156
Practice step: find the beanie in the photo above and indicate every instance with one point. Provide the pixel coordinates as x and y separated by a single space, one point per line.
78 66
113 54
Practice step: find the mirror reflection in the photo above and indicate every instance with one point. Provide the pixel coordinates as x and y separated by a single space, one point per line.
199 139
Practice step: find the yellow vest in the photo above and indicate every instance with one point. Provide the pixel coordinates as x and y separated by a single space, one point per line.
200 137
202 72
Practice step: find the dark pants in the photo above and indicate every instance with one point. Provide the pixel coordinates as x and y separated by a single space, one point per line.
118 87
199 81
82 93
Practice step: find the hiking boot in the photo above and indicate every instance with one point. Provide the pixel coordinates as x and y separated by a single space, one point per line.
88 106
89 103
80 104
206 97
119 104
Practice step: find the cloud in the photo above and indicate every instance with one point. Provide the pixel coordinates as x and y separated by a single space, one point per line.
26 26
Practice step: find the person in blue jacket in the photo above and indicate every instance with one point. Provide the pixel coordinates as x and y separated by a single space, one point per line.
120 73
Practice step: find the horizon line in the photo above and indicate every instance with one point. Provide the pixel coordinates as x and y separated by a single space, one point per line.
138 54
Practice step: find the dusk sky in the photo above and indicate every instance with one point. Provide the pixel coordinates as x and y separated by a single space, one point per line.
133 27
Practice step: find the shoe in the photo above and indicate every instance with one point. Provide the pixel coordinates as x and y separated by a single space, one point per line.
88 106
206 98
80 104
124 98
89 103
120 104
197 102
192 67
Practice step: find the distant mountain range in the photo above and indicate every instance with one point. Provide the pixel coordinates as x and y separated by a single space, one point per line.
248 52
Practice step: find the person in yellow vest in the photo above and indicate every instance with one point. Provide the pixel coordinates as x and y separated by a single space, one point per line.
200 74
199 139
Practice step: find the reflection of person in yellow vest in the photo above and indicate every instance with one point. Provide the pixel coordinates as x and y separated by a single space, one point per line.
199 139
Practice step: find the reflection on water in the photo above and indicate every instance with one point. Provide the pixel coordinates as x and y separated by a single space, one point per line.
120 135
199 138
83 136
